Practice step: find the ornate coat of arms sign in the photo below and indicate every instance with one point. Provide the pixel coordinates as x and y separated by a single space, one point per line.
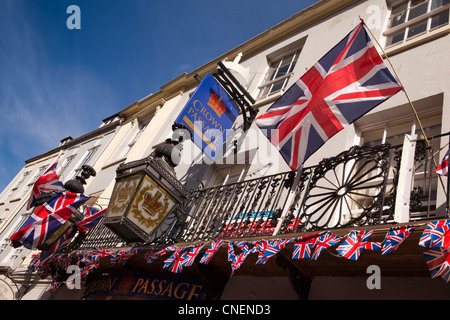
143 201
150 206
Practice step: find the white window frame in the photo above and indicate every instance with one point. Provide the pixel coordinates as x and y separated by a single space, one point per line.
407 25
272 78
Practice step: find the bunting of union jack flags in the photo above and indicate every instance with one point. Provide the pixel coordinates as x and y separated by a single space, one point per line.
438 263
355 242
211 251
269 248
303 246
237 259
395 237
325 240
436 234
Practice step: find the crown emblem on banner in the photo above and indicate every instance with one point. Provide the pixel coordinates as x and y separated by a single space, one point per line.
216 103
123 194
151 203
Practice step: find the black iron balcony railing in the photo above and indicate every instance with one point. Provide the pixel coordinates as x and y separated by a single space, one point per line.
356 188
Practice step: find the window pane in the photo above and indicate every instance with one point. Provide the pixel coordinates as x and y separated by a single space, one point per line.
271 74
264 92
439 19
438 3
417 29
293 63
278 68
399 8
418 11
395 38
282 71
416 2
277 86
397 19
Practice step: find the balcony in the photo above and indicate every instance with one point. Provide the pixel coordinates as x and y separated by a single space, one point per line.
361 187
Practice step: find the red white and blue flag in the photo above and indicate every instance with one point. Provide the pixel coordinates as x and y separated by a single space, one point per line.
303 246
92 216
154 255
325 240
269 248
438 263
442 169
122 256
395 238
47 219
436 234
211 251
355 242
190 255
47 182
175 262
349 81
237 259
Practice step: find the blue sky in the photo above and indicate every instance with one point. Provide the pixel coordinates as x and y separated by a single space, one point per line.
56 82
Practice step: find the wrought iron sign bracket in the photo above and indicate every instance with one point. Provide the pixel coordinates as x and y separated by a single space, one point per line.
237 92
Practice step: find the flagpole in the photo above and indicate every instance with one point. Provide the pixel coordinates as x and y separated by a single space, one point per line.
407 96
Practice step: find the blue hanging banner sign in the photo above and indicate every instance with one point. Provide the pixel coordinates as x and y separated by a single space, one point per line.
209 114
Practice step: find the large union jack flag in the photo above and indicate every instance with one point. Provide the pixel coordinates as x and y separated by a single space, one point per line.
47 219
349 81
47 182
92 216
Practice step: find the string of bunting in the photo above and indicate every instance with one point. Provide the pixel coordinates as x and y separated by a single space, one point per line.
435 237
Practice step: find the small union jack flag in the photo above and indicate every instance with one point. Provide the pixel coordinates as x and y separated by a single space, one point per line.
237 260
211 251
47 182
55 284
436 234
303 246
438 263
442 169
271 248
346 83
34 263
122 256
99 253
92 216
190 255
395 238
355 242
325 240
175 262
154 255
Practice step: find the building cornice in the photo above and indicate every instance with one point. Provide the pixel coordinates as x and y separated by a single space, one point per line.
92 134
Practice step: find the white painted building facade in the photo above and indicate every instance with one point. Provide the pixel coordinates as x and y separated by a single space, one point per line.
414 35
